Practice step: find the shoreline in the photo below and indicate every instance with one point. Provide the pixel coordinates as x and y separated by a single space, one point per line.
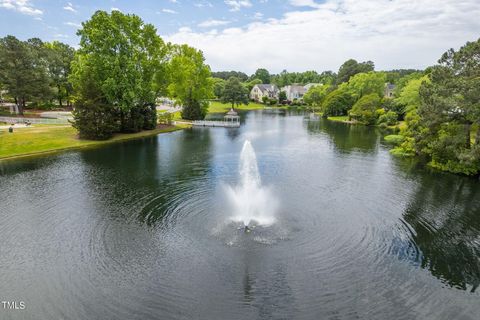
93 143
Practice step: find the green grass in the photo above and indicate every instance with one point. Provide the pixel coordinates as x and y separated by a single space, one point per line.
218 107
338 118
395 139
43 139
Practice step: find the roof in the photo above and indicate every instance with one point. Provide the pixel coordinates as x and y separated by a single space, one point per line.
232 113
267 87
295 88
390 86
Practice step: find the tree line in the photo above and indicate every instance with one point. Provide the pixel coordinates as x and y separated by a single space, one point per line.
114 78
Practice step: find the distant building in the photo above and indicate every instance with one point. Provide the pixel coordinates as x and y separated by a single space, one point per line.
309 85
264 90
389 90
294 92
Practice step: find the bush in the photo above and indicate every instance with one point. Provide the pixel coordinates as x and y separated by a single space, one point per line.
165 118
365 109
395 139
390 118
95 121
337 103
195 110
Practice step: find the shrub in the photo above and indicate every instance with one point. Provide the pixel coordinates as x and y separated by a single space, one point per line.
337 103
365 109
395 139
389 118
95 121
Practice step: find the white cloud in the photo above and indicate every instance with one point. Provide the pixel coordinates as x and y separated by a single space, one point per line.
213 23
392 33
258 15
69 7
304 3
203 4
73 24
236 5
169 11
22 6
115 9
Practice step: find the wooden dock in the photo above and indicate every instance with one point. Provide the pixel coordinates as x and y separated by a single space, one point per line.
207 123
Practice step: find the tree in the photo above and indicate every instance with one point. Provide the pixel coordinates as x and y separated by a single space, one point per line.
252 84
351 67
59 59
366 83
234 92
337 103
218 87
225 75
119 66
450 106
282 96
261 74
190 81
23 70
364 110
315 96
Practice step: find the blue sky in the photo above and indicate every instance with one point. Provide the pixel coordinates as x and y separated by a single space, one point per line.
295 35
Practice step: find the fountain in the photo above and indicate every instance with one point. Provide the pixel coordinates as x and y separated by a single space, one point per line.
251 203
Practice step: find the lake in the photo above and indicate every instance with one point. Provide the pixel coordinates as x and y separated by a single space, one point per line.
144 230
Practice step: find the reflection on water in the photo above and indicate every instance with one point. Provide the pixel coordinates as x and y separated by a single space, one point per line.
142 226
445 218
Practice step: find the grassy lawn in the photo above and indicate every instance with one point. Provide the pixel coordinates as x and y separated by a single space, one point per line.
218 107
47 138
338 118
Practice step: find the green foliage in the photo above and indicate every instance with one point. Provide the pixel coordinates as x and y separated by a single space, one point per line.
315 96
190 81
252 84
218 86
234 92
282 96
261 74
165 118
364 110
390 118
366 83
23 70
225 75
351 67
265 100
59 59
337 103
288 78
395 139
118 71
95 121
442 109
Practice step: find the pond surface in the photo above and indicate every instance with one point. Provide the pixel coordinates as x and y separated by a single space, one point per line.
141 230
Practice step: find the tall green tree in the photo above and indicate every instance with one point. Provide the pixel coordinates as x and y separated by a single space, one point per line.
351 67
366 83
262 74
190 81
23 70
450 106
234 92
59 59
315 96
120 66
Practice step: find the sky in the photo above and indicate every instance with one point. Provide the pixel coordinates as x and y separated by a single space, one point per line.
293 35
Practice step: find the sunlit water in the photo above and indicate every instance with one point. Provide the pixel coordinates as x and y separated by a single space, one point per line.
151 229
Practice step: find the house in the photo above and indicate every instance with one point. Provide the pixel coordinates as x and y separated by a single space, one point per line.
294 92
264 90
389 90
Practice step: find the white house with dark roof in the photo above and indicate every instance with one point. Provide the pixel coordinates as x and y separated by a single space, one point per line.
389 90
264 90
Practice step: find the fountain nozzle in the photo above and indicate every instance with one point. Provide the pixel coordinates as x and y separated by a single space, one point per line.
247 229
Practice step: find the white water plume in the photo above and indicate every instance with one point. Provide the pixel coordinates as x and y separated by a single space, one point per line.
251 203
